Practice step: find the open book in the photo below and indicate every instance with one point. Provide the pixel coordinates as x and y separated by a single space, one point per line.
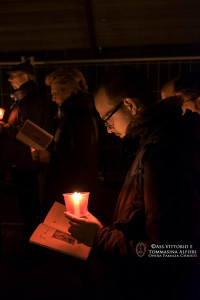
34 136
53 233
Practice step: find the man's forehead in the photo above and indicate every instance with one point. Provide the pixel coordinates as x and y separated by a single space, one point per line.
102 102
16 73
57 85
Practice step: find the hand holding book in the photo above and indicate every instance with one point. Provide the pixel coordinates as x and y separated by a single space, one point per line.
53 233
83 229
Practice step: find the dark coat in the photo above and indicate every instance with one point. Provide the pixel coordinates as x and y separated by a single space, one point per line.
28 104
159 204
74 163
15 156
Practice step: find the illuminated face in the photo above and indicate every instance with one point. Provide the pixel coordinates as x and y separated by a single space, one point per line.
121 118
59 93
17 78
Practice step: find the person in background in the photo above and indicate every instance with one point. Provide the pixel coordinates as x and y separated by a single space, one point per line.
15 156
168 89
158 210
28 103
74 159
188 87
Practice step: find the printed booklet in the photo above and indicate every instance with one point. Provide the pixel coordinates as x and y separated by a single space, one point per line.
34 136
53 233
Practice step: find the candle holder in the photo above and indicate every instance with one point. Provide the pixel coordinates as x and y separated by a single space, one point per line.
2 111
77 203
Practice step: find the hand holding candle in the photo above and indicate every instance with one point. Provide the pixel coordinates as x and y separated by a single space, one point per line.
83 229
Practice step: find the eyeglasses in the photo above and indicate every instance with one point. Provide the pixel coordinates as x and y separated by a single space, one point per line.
105 121
192 99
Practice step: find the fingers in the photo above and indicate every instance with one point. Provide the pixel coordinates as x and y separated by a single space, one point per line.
79 236
74 218
75 225
89 215
74 233
73 230
84 230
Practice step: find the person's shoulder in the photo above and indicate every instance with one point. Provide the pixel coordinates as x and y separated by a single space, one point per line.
36 96
189 127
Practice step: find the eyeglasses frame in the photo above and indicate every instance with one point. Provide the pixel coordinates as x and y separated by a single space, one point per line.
112 113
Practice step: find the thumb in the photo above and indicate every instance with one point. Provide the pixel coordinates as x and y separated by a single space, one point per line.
92 218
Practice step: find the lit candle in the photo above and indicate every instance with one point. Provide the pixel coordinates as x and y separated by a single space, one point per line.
2 111
77 197
77 203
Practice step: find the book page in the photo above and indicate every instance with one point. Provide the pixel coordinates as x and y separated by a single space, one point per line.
56 218
52 238
34 136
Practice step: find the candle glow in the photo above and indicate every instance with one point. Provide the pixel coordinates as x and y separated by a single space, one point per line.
77 197
77 203
2 111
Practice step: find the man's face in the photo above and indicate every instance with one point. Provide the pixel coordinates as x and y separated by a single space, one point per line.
59 93
119 121
17 78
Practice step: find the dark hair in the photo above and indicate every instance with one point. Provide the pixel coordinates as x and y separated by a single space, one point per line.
126 82
188 84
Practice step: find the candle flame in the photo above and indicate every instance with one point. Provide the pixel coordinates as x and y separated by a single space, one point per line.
1 113
77 197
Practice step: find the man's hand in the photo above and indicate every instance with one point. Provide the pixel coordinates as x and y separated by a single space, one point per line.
4 124
42 156
83 229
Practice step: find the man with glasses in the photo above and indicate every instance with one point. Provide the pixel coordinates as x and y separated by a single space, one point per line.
158 209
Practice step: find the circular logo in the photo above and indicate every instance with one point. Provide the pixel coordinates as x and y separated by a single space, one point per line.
140 249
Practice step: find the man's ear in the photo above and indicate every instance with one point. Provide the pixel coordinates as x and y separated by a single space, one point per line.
131 105
25 77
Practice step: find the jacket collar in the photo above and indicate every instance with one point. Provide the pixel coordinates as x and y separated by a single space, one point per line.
162 119
23 91
160 115
82 101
